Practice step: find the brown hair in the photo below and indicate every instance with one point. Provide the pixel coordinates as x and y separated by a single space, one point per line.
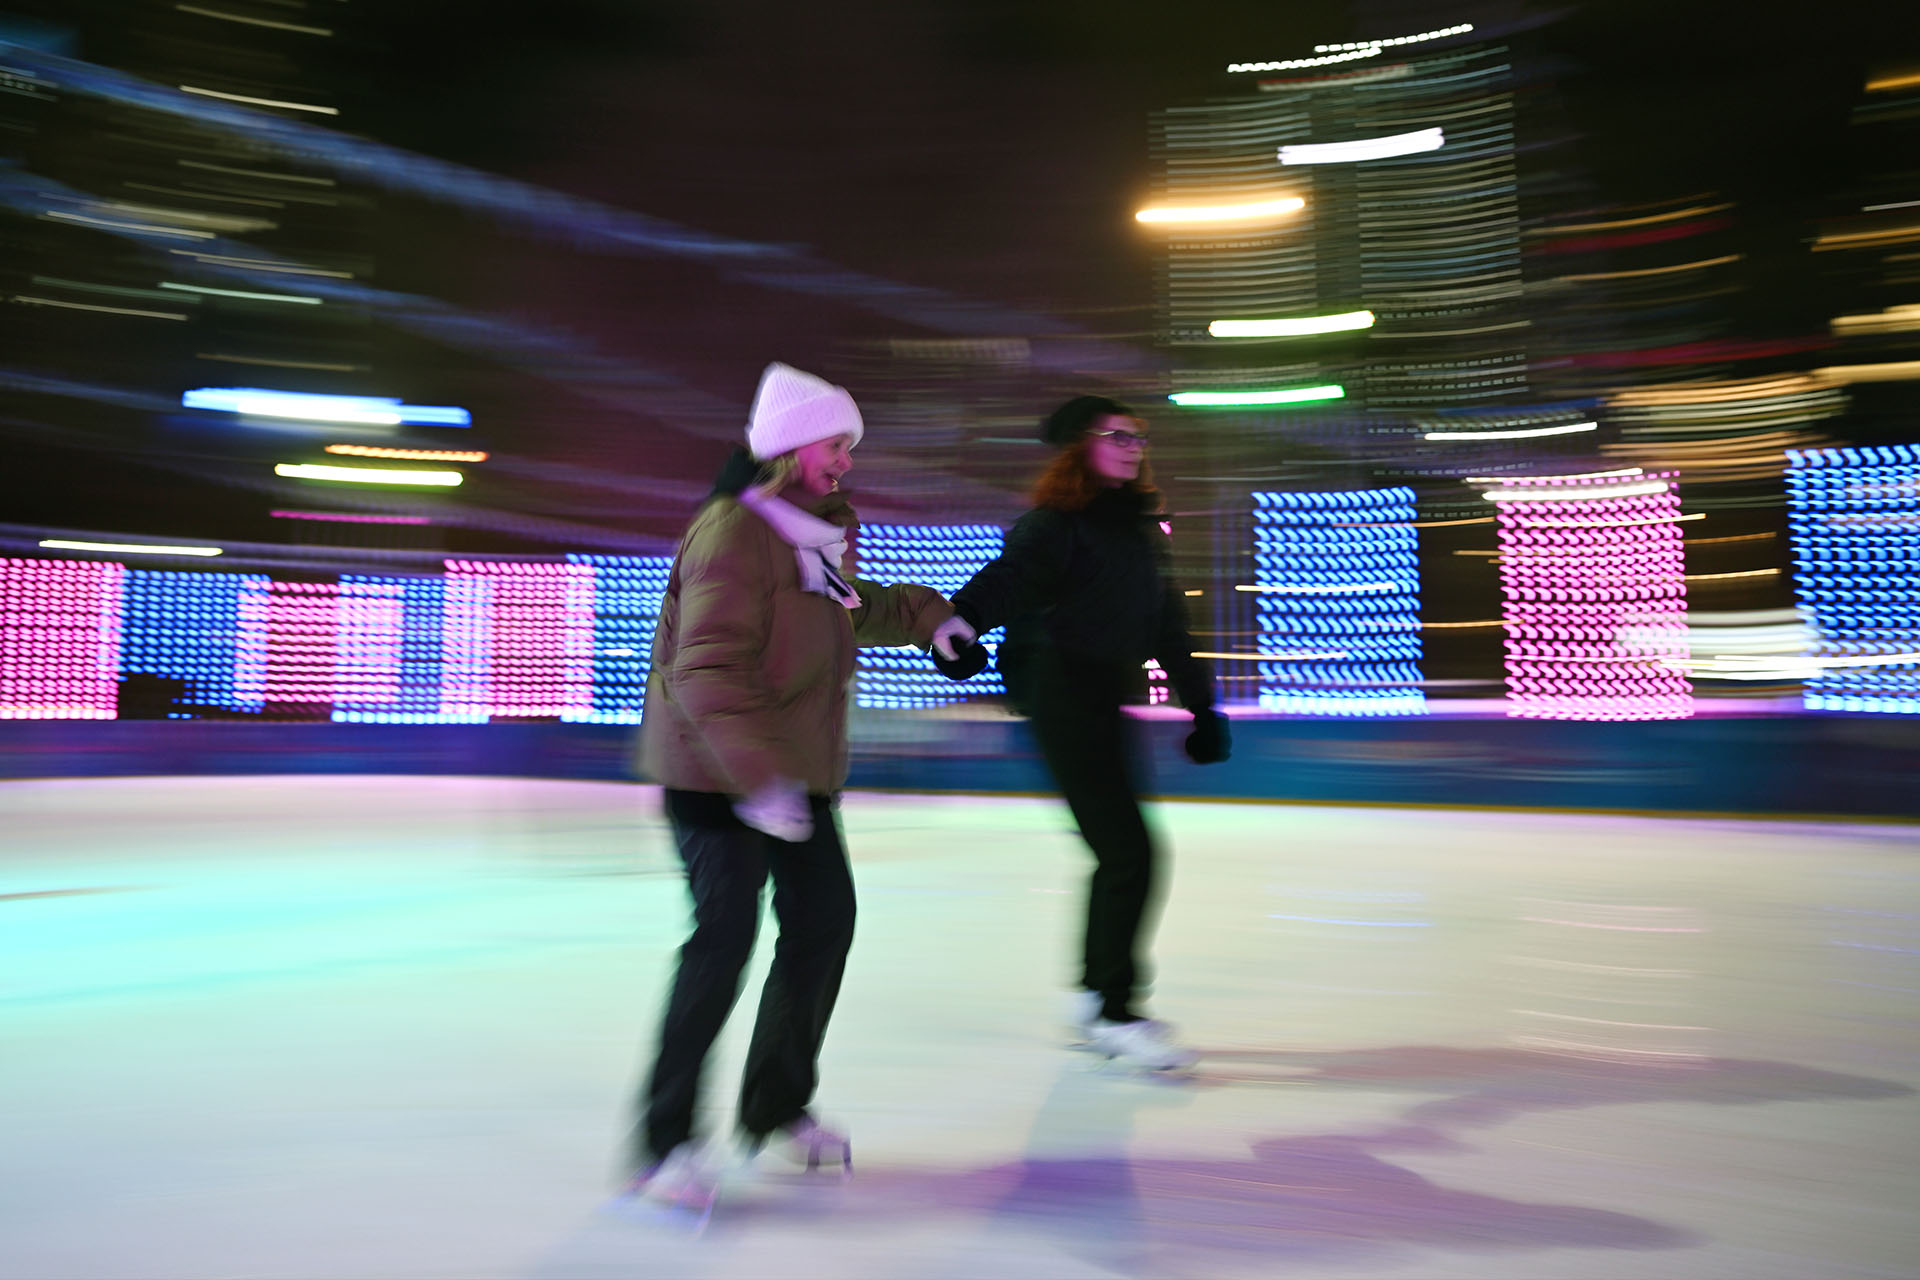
1068 483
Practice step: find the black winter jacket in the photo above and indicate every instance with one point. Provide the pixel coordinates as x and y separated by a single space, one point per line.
1094 586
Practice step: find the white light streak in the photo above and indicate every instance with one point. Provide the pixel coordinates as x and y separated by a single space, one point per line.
1398 144
1581 493
87 306
127 548
1568 428
260 102
368 475
253 22
242 293
1292 326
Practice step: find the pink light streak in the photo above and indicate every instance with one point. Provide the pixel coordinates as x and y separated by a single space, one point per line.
60 639
342 517
1595 600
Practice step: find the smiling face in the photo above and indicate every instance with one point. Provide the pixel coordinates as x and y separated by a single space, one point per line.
819 466
1116 446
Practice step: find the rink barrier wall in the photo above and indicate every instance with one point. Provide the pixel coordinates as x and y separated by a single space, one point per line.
1850 766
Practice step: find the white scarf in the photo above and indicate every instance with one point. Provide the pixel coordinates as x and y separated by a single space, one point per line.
818 546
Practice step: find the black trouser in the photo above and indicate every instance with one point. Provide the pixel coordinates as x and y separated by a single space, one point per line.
1092 750
727 865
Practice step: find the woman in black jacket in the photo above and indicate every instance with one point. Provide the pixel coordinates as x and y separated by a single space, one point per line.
1084 589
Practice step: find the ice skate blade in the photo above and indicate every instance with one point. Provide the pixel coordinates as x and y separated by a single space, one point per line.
689 1217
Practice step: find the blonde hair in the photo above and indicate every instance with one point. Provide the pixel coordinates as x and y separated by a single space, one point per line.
777 473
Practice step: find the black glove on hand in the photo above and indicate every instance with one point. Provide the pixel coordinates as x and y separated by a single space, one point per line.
965 665
1209 743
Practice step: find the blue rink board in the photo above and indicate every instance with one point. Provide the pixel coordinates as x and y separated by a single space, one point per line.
1862 766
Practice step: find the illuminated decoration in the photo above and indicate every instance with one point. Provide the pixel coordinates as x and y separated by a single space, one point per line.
1252 210
249 295
289 648
260 102
1361 149
59 639
185 625
349 517
1854 516
1892 371
1592 575
1239 399
1903 319
1295 64
939 556
367 475
1738 429
408 455
1438 33
1566 428
518 640
1337 608
1354 49
388 666
627 593
126 548
1291 326
384 411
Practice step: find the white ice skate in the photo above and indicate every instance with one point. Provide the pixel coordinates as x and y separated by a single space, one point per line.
686 1181
807 1143
1145 1043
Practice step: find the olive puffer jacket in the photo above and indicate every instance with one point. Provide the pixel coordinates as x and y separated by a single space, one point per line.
750 672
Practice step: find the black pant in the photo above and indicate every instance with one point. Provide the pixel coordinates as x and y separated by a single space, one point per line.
727 865
1092 750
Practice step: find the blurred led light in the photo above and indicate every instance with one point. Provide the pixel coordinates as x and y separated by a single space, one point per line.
113 224
349 517
1229 399
1696 211
1439 33
1571 494
1896 371
1906 80
1703 263
259 102
1249 211
1878 236
1292 326
1902 319
942 557
1562 430
242 293
30 300
367 475
260 264
60 638
127 548
1291 64
312 407
1382 148
1738 573
1578 475
409 455
252 22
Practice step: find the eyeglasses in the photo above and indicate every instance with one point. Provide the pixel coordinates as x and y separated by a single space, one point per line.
1123 439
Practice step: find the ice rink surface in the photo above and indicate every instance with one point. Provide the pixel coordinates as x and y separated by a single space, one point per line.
382 1027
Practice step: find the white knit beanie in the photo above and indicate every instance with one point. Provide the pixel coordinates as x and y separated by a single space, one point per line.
793 408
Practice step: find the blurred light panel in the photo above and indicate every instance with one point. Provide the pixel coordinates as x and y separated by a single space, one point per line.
289 642
258 402
519 640
126 548
1337 587
1592 571
185 625
59 639
1253 210
939 556
627 593
389 666
1854 516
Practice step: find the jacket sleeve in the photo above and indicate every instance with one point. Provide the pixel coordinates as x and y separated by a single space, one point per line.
1028 573
725 624
1191 677
897 614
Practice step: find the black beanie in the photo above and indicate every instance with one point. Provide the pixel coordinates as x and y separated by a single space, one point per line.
1067 423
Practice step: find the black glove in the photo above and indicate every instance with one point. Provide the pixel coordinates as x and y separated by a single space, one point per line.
737 474
965 665
1209 743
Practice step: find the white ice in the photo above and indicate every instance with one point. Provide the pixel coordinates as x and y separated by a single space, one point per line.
389 1028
